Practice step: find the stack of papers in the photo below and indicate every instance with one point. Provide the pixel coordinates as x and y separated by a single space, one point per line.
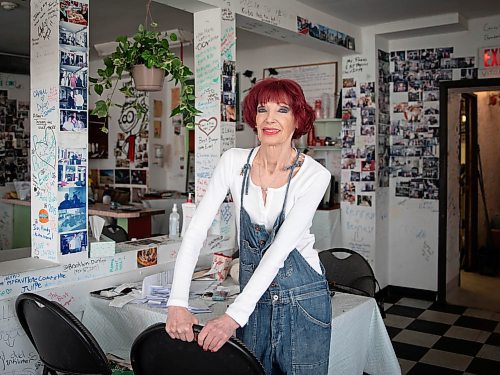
156 294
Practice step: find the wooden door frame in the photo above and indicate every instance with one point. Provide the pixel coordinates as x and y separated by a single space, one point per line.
471 165
481 84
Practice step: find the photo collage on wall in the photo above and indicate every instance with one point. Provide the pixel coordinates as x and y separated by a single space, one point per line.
325 34
73 47
131 152
72 161
14 139
413 147
384 120
358 161
131 149
128 180
228 95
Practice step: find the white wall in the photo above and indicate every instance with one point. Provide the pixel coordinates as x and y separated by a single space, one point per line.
414 223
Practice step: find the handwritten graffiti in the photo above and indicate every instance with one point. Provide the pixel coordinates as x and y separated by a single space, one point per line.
207 126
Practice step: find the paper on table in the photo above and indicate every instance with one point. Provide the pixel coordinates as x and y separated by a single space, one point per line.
162 278
123 300
122 287
202 286
96 225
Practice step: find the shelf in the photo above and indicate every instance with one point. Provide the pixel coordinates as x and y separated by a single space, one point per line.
323 120
324 148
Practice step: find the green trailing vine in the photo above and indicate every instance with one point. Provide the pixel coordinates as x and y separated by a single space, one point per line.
151 48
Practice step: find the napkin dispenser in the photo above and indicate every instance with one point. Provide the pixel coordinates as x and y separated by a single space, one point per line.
105 247
99 245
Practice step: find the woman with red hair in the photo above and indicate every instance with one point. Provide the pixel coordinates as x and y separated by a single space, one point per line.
283 313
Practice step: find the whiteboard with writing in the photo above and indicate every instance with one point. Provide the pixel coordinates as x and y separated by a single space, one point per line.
315 79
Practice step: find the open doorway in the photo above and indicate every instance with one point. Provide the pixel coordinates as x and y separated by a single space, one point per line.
469 251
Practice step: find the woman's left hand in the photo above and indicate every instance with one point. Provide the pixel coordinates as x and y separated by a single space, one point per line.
216 332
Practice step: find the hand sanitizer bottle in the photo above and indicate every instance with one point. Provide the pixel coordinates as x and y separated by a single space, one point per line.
173 228
188 209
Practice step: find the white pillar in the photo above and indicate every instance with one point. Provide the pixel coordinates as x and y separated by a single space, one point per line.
215 88
59 71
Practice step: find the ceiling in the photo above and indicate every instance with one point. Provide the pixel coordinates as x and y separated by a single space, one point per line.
110 18
372 12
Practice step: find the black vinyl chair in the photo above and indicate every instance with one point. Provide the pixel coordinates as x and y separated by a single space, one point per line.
349 272
61 340
154 352
115 232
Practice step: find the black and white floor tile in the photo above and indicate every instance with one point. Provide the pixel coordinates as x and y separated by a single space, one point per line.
431 338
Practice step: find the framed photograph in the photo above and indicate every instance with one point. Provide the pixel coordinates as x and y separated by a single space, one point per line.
73 242
316 80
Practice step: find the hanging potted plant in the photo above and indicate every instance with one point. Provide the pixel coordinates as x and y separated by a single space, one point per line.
148 59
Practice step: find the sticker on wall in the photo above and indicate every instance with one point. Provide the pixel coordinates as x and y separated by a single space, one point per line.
147 257
43 216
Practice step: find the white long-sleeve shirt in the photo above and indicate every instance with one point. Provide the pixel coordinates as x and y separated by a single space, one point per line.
306 190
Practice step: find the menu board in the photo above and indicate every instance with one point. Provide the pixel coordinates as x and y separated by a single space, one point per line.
315 79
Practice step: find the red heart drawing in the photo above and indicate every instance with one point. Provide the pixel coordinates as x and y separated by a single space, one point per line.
207 126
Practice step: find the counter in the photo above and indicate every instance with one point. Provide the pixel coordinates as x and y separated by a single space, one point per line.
70 284
137 223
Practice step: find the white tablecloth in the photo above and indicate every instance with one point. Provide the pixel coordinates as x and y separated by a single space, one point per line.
359 339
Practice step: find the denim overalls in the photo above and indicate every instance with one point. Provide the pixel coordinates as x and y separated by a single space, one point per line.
290 328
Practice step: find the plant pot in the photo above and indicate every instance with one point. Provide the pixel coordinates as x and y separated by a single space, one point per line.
147 79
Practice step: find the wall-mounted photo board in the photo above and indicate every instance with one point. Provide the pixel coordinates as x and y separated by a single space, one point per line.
315 79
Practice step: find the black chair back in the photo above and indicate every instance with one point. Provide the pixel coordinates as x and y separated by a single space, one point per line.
63 343
154 352
348 269
349 272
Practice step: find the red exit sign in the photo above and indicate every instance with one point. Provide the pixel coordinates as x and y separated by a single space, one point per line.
489 62
491 57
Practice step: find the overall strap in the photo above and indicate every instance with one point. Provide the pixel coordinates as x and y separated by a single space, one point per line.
245 171
290 175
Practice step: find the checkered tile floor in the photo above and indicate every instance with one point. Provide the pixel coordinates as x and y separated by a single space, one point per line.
430 338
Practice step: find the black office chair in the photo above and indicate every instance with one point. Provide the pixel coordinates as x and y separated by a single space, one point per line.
115 232
349 272
154 352
61 340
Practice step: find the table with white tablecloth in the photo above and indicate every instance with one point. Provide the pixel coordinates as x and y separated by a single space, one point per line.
360 342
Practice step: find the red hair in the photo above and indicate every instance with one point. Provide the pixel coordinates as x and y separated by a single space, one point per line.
279 91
